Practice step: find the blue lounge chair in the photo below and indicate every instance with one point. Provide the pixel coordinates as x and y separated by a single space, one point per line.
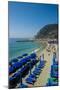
32 78
54 68
16 74
51 82
33 75
36 73
54 74
55 62
23 86
30 81
41 65
37 68
54 71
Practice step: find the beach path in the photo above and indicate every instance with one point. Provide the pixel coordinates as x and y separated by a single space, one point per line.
45 74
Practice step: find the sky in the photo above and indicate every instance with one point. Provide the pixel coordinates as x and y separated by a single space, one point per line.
26 19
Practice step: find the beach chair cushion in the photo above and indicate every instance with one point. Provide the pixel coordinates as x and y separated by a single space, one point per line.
29 80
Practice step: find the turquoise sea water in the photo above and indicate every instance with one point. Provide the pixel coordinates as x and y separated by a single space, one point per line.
19 48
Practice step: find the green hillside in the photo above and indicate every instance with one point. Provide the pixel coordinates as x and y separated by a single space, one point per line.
48 31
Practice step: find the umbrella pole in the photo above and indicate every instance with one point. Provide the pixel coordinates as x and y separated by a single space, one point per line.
30 67
21 79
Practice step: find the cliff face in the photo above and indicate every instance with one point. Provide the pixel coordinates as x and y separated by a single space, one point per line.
48 31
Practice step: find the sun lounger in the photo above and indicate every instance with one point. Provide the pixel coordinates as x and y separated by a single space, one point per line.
36 73
37 68
30 80
54 68
33 75
55 62
51 82
54 74
41 65
22 86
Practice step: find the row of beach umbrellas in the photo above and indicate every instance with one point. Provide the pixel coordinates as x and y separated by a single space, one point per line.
26 64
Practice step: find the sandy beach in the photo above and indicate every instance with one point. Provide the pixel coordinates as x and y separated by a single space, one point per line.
45 74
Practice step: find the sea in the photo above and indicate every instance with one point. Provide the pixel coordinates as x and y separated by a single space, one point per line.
19 46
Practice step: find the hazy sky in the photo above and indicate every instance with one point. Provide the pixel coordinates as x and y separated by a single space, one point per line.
26 19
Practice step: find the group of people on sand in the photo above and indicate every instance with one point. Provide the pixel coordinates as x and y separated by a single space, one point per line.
51 48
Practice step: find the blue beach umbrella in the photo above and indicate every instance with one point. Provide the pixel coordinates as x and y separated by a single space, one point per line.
11 70
19 57
25 54
33 55
13 61
17 65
